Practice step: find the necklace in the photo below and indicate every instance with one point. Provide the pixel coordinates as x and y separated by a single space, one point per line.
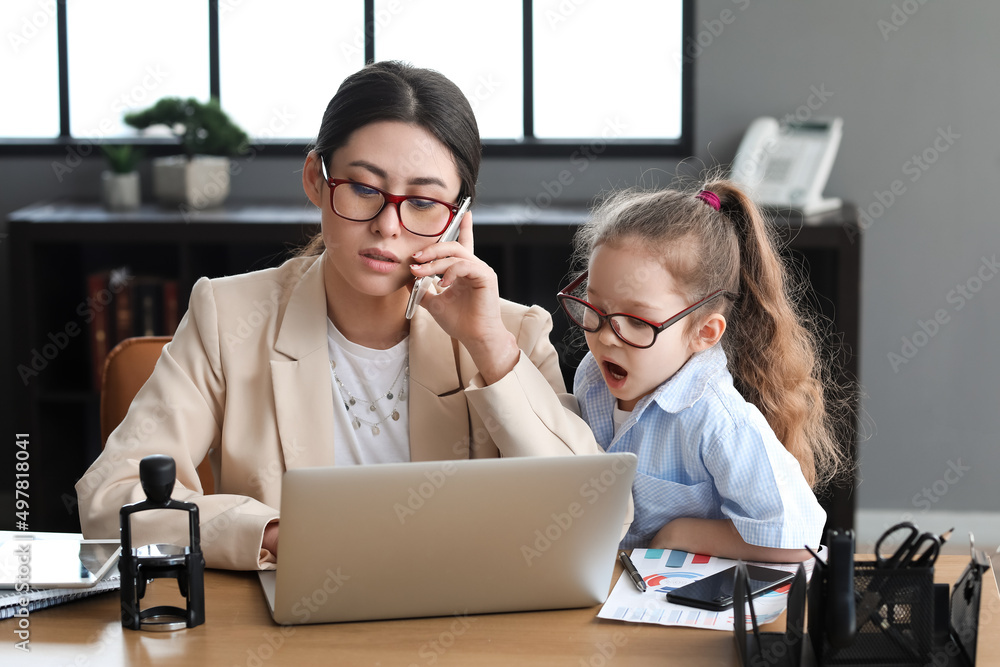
351 401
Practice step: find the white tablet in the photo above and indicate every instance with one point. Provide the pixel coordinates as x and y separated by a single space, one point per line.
56 563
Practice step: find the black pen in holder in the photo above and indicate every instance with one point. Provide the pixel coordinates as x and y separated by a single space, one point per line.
157 474
778 649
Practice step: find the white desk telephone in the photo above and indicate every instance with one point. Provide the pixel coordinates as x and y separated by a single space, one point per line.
788 166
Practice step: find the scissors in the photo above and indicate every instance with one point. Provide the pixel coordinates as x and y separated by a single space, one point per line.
916 550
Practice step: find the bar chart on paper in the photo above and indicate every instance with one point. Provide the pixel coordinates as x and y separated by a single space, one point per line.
666 569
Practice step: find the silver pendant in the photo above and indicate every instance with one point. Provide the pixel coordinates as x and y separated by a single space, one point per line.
395 415
389 395
375 430
357 423
402 394
351 401
371 408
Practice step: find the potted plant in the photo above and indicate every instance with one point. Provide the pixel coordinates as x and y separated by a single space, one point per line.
199 178
120 183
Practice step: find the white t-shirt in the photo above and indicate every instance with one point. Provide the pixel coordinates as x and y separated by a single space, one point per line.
620 416
364 372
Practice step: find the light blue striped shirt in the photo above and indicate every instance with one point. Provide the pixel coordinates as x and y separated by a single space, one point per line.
704 452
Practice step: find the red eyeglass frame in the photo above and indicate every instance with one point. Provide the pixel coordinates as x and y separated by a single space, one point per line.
387 198
658 327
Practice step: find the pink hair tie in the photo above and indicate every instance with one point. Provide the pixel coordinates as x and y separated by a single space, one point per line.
710 198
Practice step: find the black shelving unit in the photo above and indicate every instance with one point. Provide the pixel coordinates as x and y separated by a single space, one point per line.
54 246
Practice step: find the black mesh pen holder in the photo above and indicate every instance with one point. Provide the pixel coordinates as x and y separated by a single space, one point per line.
894 619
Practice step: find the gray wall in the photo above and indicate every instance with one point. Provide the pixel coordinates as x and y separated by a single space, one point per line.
931 421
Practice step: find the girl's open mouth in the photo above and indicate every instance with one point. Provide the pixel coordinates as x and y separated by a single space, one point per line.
615 371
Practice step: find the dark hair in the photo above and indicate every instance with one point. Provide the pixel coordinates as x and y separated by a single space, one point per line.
772 342
393 90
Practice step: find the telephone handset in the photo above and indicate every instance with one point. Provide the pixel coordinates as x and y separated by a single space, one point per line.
422 284
788 166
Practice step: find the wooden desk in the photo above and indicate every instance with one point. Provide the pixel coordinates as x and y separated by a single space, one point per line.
239 631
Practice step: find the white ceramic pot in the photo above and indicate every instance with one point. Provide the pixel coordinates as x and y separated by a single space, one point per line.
120 192
201 182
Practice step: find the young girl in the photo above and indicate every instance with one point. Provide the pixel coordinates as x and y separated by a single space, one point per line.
314 363
707 373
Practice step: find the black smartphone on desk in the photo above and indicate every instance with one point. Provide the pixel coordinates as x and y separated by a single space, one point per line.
715 592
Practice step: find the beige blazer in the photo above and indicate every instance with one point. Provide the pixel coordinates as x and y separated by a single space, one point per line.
246 382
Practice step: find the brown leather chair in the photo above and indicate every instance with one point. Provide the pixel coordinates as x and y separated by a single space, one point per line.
126 369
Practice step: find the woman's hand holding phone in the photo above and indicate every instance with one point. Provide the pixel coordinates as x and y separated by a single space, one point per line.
467 302
422 285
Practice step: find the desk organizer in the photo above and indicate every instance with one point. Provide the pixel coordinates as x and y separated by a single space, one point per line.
894 618
899 618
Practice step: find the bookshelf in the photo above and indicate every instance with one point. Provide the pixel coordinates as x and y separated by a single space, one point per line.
56 245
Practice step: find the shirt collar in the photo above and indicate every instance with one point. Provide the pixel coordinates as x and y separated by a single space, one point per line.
689 383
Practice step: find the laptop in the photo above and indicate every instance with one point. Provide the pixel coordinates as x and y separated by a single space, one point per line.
445 538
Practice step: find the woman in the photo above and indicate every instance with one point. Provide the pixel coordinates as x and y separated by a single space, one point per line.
314 364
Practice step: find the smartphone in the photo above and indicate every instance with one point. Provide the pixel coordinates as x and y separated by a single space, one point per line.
421 285
715 592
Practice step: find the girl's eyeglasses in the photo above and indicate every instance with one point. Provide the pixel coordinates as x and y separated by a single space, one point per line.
360 202
631 329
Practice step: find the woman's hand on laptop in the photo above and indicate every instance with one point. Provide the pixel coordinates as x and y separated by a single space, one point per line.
270 540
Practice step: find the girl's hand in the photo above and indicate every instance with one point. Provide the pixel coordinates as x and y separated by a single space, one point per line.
469 309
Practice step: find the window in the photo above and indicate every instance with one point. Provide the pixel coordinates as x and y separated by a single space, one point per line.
543 76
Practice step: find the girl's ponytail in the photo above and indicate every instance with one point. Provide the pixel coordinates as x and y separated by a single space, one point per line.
774 349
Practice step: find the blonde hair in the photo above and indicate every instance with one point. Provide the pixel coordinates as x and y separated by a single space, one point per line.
772 343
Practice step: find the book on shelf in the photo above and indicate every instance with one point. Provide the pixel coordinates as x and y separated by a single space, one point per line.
124 305
100 331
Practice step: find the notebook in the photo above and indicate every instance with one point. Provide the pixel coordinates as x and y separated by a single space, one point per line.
448 537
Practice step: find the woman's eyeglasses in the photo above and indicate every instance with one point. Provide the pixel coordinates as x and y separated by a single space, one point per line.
631 329
360 202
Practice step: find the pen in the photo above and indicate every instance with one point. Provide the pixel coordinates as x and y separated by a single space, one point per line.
930 554
632 572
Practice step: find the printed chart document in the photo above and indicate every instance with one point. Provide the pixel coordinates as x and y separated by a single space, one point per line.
666 569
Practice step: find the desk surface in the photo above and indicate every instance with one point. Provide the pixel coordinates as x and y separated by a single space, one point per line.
239 631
